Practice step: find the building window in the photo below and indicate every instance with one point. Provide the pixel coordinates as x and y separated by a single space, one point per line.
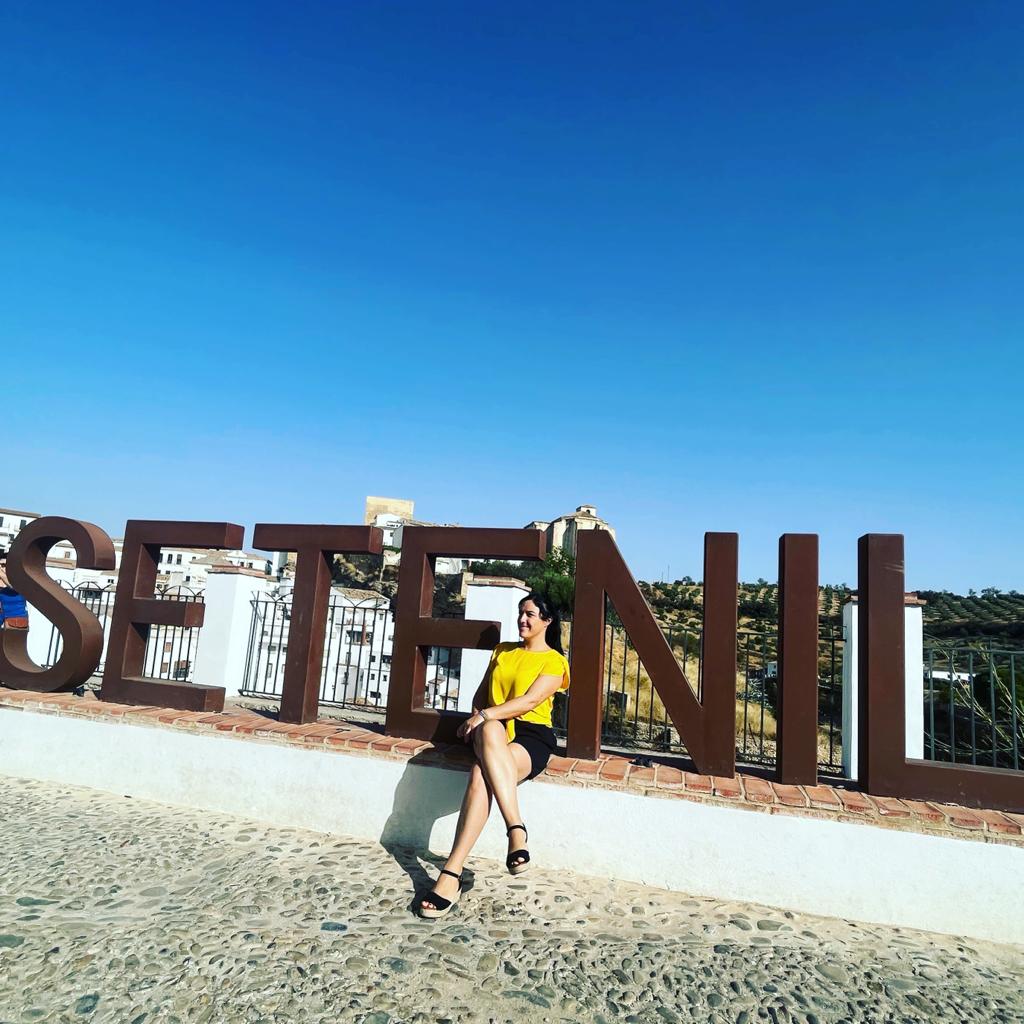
178 560
24 523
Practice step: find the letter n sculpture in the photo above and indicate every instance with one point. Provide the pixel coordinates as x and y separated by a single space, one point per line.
707 725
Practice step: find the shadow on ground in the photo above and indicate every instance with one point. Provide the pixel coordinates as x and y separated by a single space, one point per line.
422 797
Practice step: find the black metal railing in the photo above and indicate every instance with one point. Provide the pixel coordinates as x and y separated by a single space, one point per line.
358 645
357 665
973 692
170 650
635 717
974 704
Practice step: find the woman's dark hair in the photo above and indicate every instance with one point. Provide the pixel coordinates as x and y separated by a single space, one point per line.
549 613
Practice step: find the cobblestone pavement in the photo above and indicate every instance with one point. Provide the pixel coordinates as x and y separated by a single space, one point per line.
114 909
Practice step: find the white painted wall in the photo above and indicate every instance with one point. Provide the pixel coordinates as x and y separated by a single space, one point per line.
224 637
913 646
40 631
492 604
838 869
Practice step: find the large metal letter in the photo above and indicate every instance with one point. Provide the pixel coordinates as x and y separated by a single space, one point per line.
708 727
136 609
416 632
316 547
798 659
883 764
81 632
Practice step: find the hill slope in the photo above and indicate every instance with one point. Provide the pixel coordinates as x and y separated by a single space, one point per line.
990 615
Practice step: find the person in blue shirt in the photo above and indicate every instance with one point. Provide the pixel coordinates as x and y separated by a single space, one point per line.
13 612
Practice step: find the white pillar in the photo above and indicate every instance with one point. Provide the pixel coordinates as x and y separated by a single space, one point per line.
913 662
224 637
494 599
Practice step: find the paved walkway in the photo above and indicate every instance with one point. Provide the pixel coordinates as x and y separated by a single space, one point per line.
120 910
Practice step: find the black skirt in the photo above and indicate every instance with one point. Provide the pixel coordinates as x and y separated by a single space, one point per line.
538 741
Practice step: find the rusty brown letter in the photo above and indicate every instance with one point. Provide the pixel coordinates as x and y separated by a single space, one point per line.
797 762
316 547
81 632
136 609
707 727
416 631
884 767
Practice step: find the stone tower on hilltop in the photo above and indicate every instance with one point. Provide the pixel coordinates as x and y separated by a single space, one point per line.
562 532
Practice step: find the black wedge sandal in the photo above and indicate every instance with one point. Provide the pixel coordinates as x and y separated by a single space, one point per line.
441 905
519 860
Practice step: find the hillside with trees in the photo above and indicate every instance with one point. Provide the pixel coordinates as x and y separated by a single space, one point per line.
636 716
681 603
990 615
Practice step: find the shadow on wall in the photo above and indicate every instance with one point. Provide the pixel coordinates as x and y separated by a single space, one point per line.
420 799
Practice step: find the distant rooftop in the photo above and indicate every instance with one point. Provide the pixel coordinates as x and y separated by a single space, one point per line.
354 594
494 581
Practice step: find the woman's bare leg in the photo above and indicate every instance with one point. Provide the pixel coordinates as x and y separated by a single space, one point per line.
476 809
507 760
505 766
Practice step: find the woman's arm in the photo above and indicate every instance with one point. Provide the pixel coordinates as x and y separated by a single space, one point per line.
480 700
539 691
480 697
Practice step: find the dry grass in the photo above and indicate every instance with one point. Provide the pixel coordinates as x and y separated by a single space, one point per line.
756 721
754 729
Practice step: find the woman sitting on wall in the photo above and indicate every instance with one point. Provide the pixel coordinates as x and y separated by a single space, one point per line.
510 729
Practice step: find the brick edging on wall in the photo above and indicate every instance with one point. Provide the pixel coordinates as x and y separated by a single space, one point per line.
612 772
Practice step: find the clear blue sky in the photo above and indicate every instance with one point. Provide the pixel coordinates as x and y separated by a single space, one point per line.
750 267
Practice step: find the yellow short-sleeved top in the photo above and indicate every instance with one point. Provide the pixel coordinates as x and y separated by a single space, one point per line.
513 670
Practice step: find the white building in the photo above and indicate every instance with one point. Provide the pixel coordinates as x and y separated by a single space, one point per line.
392 516
562 532
178 566
190 566
12 522
357 650
444 566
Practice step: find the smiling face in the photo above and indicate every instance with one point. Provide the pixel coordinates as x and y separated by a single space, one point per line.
531 624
